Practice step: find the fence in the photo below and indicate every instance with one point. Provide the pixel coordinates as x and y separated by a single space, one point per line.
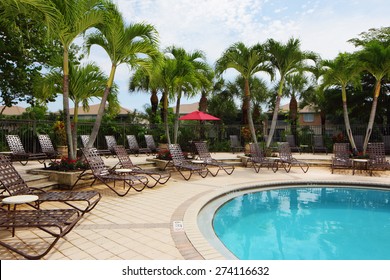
215 133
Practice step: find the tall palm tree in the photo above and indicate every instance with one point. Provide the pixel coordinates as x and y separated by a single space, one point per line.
286 59
342 71
375 59
124 43
190 73
76 16
247 61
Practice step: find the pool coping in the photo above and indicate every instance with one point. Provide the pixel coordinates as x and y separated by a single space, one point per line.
195 236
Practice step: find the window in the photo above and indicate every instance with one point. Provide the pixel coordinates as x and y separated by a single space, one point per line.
308 117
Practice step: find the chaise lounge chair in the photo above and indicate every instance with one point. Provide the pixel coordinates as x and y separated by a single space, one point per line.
235 145
291 141
109 178
13 184
151 144
182 165
341 158
134 147
85 140
286 159
258 160
111 143
377 158
204 154
47 147
19 153
56 222
126 163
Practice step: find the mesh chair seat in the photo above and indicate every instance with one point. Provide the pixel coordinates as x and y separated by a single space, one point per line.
287 160
341 157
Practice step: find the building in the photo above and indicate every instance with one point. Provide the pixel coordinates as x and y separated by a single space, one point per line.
12 111
93 110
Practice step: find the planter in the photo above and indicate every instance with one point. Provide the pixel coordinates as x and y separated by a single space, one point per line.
163 146
63 150
65 179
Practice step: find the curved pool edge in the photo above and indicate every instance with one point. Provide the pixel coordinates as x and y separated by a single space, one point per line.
209 246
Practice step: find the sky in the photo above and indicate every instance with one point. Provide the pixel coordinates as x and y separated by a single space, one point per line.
322 26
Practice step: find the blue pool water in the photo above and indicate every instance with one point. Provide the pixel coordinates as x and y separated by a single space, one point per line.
316 223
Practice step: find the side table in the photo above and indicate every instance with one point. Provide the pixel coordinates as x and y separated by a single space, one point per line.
359 164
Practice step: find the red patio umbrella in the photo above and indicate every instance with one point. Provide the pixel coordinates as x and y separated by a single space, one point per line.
198 116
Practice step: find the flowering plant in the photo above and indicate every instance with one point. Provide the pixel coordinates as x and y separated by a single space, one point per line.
60 133
66 164
164 155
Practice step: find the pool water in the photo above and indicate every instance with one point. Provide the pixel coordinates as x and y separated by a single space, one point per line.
316 223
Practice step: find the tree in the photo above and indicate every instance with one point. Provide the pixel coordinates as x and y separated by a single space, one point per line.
286 59
124 43
247 61
342 71
375 59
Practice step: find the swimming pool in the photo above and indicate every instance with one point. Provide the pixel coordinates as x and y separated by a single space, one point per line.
313 223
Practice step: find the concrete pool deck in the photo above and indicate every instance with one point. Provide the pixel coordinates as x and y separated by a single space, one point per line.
161 223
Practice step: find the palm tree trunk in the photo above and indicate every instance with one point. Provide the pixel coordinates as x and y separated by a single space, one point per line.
154 104
74 128
99 116
372 115
165 115
293 116
247 99
276 111
176 126
346 119
68 127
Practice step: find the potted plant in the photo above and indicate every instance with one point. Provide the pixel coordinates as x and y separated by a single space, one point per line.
60 137
246 135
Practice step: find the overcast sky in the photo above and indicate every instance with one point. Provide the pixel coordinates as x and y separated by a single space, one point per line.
323 26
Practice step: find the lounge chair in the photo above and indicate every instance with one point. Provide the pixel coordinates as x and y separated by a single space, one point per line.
291 141
55 222
204 154
258 160
235 145
286 160
13 184
18 152
341 158
318 144
47 147
111 143
377 158
151 144
126 163
108 177
134 147
85 140
182 165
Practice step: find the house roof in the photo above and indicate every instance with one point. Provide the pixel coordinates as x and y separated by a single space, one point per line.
306 109
13 111
187 108
93 110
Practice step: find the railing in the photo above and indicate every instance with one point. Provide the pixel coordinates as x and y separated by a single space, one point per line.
215 133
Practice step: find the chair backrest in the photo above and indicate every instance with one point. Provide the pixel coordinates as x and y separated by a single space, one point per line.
150 142
111 142
291 140
341 150
95 161
359 139
133 143
386 140
176 153
203 151
376 152
46 144
123 157
256 152
15 144
234 141
10 179
84 140
285 151
318 141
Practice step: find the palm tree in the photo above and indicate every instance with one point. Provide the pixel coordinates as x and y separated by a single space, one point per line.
286 59
247 62
375 59
342 71
73 18
123 43
191 71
